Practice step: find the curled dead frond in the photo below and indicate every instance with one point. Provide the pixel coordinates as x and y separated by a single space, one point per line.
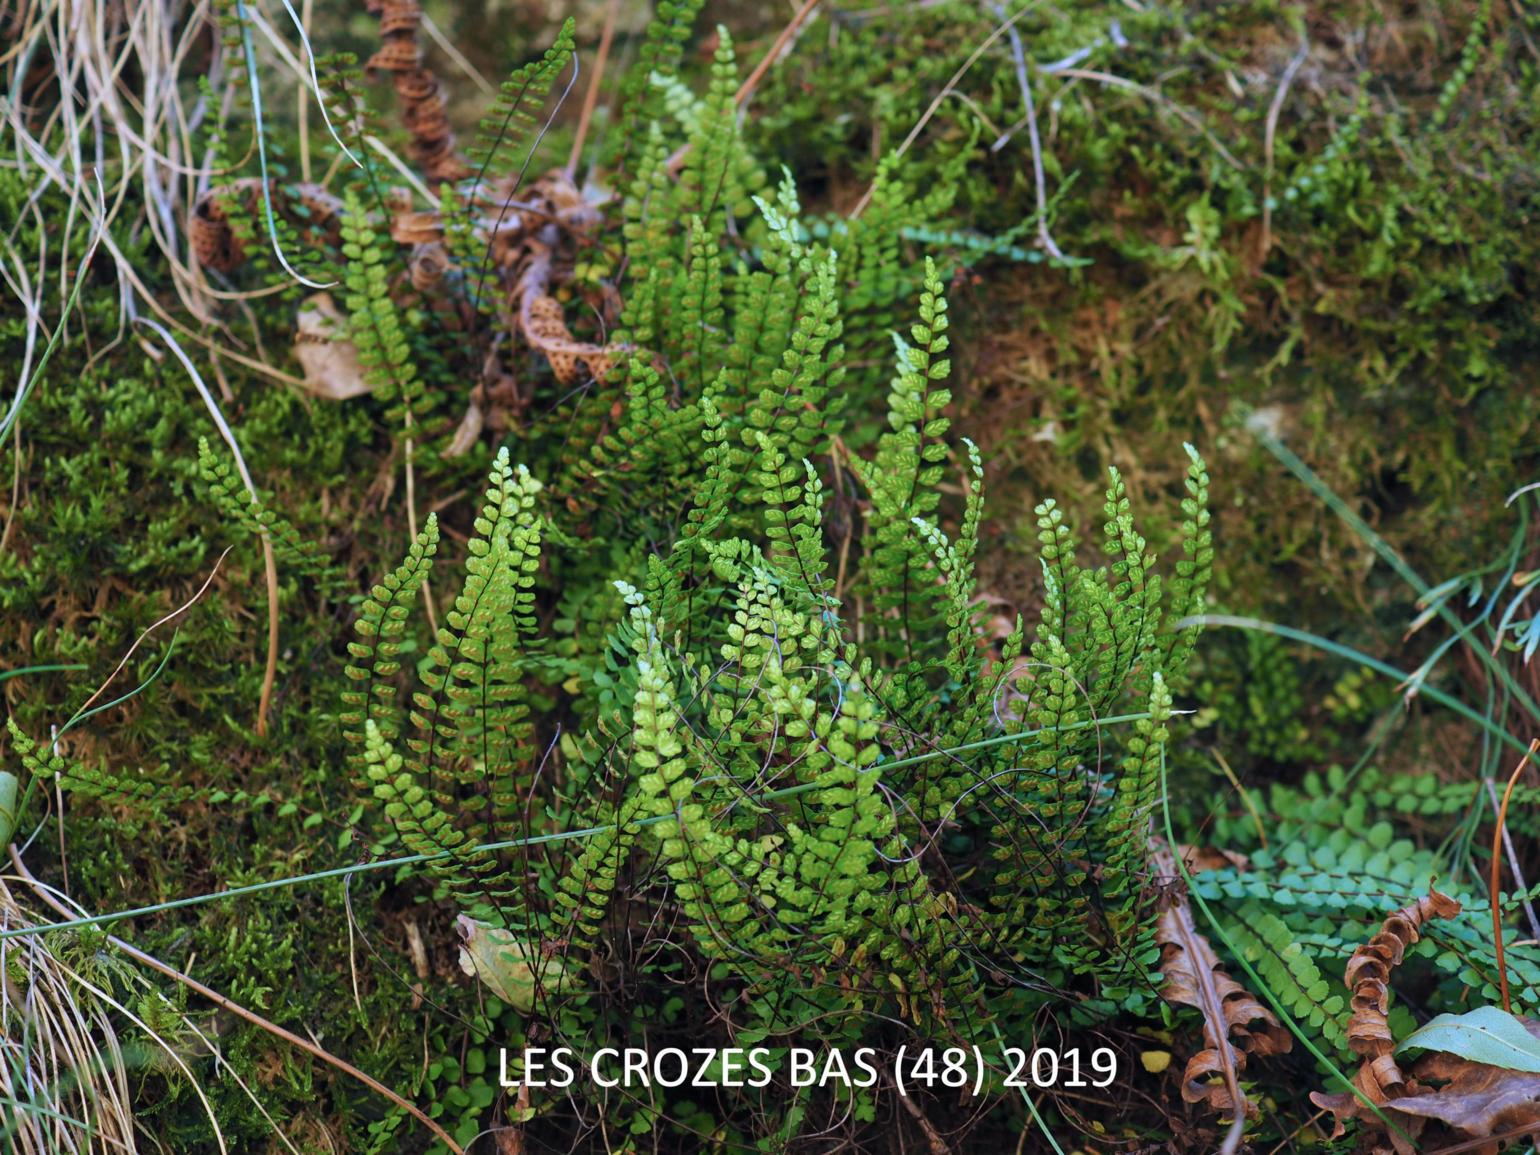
215 242
1368 972
418 91
1235 1024
1380 1079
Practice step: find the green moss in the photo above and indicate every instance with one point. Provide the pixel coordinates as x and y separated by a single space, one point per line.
1363 281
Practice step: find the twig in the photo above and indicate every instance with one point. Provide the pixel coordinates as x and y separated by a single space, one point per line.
447 46
1487 1142
591 97
1251 807
10 510
746 89
938 1145
45 893
1287 1139
1019 58
1497 865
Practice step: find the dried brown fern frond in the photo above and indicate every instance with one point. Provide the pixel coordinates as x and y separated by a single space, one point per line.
1380 1079
423 108
215 243
1235 1024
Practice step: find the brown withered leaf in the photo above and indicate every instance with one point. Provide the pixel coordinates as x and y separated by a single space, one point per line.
326 352
1368 971
1380 1080
1235 1024
1473 1099
468 432
1478 1099
1466 1098
316 212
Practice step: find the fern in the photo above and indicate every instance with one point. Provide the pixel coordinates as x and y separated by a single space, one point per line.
902 480
153 797
380 333
252 516
661 50
378 636
510 122
782 749
736 740
711 177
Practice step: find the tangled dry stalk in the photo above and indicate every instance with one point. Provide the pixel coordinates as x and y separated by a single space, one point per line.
63 1079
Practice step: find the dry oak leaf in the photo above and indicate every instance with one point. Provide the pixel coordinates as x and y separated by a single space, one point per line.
1234 1023
326 352
1475 1098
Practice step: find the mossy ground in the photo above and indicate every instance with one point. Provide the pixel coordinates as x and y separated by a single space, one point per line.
1354 269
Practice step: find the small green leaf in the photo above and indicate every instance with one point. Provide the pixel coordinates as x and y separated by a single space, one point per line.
1485 1035
8 806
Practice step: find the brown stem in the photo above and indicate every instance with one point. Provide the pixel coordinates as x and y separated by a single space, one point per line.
1497 866
270 674
591 97
746 90
1513 863
252 1017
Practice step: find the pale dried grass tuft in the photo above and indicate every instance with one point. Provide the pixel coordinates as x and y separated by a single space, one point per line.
63 1082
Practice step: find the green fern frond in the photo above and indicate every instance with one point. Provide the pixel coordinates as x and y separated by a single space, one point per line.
252 516
377 643
509 124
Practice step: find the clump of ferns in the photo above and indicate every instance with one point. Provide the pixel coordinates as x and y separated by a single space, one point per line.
835 811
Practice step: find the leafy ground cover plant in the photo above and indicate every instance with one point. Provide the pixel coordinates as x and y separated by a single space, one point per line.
691 713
